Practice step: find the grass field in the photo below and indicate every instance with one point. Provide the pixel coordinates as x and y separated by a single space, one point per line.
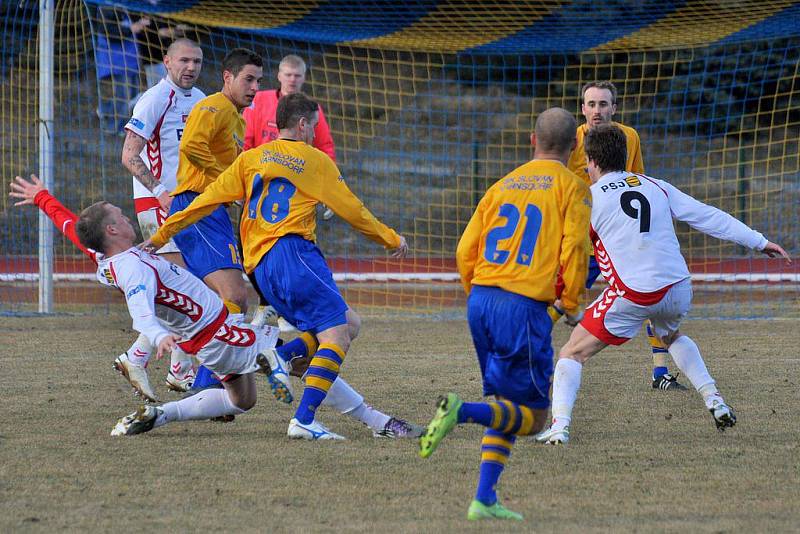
640 460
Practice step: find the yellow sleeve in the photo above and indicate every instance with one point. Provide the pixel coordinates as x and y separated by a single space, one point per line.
201 126
574 258
227 188
469 247
637 165
328 187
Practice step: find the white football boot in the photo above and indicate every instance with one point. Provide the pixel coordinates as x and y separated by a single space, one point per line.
553 436
316 431
277 374
723 415
181 376
141 421
137 377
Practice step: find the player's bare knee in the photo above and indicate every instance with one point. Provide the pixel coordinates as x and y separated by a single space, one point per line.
239 297
246 403
353 324
571 352
300 365
343 342
338 335
242 396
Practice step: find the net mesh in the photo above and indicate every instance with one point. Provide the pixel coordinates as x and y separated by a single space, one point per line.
430 103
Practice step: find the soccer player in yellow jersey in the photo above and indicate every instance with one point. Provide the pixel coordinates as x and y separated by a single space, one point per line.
282 182
212 139
528 226
598 107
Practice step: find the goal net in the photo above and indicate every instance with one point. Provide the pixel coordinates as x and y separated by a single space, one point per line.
430 103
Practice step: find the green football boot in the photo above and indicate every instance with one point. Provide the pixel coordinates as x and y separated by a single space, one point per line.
478 510
442 423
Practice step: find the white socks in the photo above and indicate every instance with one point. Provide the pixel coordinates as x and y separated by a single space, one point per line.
206 404
180 363
687 357
369 416
139 353
346 400
342 397
566 382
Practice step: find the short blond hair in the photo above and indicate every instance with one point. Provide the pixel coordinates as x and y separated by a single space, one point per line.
292 60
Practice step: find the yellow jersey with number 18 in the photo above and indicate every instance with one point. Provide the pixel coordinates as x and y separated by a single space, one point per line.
282 182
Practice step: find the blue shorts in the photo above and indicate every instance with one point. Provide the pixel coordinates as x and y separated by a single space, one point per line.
295 279
209 244
594 272
511 334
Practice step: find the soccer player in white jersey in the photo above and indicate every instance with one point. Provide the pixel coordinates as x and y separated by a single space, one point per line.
150 153
173 308
639 255
341 397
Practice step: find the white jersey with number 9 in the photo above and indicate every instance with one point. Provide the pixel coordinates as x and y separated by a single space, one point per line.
634 236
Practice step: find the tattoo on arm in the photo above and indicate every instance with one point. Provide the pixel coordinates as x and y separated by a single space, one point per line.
133 146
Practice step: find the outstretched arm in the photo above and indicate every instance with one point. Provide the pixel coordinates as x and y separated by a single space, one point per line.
717 223
33 193
773 249
328 187
228 187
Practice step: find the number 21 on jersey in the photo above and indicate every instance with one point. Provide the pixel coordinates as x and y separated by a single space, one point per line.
275 206
524 255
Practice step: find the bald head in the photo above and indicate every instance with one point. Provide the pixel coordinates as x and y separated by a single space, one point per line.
555 132
180 43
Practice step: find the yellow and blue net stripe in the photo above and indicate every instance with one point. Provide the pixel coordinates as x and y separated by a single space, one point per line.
491 27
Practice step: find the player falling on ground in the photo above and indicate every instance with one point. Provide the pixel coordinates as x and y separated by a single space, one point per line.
150 153
599 103
173 309
634 241
529 225
261 128
297 352
282 182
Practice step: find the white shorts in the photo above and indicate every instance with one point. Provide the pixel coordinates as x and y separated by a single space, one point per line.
149 222
614 320
234 348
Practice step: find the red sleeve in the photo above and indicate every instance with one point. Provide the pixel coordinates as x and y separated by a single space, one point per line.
63 218
322 136
249 115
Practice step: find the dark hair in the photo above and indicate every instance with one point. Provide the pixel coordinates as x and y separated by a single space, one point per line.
236 59
91 226
607 147
291 108
601 85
